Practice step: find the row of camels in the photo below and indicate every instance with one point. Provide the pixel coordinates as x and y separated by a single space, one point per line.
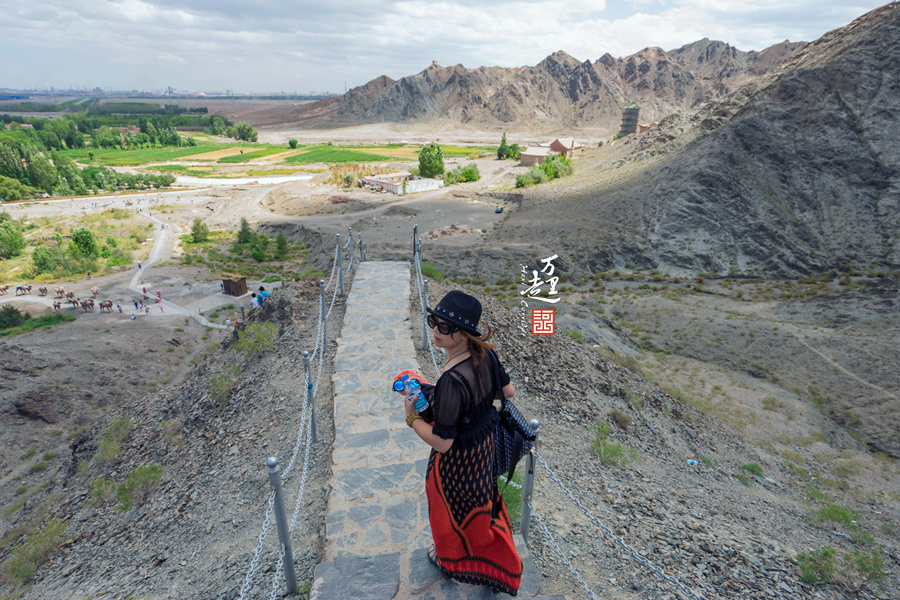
43 291
69 297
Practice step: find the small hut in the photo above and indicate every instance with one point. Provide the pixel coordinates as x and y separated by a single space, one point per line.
234 284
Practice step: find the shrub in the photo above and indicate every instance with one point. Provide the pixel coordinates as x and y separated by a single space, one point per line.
753 468
744 478
256 338
199 231
111 441
836 513
25 559
101 489
575 334
141 481
853 569
462 174
621 419
431 272
610 453
292 143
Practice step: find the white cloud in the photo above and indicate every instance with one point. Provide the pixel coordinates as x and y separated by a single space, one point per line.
258 45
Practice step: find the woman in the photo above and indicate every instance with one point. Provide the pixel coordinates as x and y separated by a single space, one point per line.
460 484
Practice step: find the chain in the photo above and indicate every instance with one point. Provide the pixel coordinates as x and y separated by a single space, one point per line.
277 578
262 538
634 553
560 552
305 469
420 286
299 441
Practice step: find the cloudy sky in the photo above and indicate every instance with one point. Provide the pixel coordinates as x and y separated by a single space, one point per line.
302 46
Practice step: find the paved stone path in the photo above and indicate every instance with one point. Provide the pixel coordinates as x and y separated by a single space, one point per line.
377 523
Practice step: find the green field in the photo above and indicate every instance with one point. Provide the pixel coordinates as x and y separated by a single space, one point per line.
138 156
467 151
330 154
246 156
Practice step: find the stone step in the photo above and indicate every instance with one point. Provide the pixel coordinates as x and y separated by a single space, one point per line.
409 575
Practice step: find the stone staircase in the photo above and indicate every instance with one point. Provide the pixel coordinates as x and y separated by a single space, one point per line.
377 528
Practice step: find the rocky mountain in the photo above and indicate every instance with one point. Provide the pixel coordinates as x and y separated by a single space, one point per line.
795 173
560 91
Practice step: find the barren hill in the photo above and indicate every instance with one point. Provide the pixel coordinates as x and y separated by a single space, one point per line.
793 174
560 91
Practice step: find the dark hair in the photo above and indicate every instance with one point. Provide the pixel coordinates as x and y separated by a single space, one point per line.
478 344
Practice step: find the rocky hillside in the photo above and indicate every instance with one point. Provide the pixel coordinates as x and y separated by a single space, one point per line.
558 92
795 173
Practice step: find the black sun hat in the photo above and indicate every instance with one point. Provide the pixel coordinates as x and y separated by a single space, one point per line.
459 308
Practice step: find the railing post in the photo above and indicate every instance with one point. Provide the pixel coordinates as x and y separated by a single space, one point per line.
284 533
362 254
242 314
350 247
415 240
309 397
528 486
341 266
425 316
322 313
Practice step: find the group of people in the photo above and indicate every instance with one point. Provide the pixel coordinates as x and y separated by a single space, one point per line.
256 300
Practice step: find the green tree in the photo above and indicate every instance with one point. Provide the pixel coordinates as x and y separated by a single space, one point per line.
281 245
10 316
292 143
244 234
503 150
242 131
431 161
41 172
44 259
12 242
82 243
13 189
199 231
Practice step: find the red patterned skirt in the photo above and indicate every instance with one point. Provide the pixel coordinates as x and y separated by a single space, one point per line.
461 492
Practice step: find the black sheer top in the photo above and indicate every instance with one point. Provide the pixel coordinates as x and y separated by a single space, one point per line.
463 402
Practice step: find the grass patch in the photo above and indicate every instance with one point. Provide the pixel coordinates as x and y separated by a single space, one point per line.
853 569
101 490
753 468
512 496
248 156
110 446
25 559
37 322
575 335
611 453
256 338
331 154
141 481
431 272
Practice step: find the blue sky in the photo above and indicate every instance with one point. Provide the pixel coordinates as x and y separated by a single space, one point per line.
289 46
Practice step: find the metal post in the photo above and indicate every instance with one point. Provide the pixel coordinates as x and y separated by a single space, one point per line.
322 314
281 521
425 330
528 486
309 396
415 240
341 266
242 314
362 254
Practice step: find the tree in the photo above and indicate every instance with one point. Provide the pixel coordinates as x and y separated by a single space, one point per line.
12 242
242 131
82 243
281 245
431 161
41 172
292 143
503 150
245 235
199 231
44 259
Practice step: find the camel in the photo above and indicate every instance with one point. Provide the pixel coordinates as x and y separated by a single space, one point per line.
60 292
107 304
88 304
57 305
96 291
25 289
70 296
42 290
74 301
4 289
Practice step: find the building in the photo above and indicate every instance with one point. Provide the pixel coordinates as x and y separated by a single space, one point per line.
402 183
630 119
234 284
643 127
566 146
534 155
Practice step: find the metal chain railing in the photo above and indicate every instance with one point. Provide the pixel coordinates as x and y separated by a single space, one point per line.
619 541
560 552
306 430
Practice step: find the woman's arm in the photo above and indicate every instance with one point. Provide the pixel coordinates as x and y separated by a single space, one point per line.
509 390
424 431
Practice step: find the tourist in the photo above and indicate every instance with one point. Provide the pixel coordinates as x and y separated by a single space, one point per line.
254 301
460 485
263 295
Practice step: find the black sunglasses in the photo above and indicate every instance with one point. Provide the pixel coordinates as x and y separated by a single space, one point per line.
442 327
